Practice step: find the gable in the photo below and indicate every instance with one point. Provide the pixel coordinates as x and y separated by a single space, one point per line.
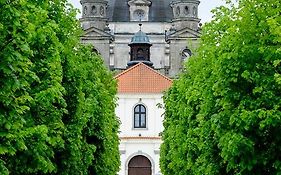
142 79
95 33
184 33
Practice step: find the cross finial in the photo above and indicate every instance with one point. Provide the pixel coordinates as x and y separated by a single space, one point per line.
140 26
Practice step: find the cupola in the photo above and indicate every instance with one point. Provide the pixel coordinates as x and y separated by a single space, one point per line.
94 13
140 49
185 13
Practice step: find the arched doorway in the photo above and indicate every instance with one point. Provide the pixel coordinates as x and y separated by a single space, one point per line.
139 165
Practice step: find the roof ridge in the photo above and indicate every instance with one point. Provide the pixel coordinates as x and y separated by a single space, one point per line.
125 71
140 63
141 78
157 72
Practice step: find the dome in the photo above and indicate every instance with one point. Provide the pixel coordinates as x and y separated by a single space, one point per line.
140 38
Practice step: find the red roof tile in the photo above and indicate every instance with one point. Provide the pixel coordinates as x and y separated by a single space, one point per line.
142 79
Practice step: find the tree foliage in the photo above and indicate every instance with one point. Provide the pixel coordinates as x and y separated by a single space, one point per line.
223 115
56 98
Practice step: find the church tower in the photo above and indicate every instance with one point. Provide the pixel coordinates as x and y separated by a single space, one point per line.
94 22
94 14
170 26
185 14
183 36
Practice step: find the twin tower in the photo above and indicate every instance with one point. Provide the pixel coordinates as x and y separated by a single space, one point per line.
170 29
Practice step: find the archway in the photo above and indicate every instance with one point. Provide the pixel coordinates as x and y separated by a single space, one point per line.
139 165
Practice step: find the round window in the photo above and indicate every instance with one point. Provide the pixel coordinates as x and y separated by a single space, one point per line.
139 14
186 53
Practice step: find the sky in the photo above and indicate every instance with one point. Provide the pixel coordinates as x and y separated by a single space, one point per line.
205 8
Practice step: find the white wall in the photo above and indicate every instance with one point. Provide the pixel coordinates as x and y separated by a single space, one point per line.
145 144
125 111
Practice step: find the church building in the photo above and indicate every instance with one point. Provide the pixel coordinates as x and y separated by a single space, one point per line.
171 25
145 42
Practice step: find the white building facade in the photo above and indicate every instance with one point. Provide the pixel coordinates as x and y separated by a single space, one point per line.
140 141
140 109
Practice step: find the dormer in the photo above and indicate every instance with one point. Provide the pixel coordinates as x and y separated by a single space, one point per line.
139 10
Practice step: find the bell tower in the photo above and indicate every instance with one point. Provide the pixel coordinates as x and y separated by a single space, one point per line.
94 14
140 49
185 14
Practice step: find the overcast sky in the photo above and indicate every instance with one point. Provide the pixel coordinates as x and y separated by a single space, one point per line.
205 8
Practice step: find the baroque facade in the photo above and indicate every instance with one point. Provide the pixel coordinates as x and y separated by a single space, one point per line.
171 25
146 43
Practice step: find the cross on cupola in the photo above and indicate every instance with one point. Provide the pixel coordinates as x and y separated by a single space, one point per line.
140 49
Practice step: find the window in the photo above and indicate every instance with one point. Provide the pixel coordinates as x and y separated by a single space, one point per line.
140 54
140 116
94 50
186 53
194 11
85 10
186 10
101 10
178 11
139 15
94 10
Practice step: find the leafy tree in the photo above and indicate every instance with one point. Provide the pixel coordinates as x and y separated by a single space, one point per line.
56 98
223 115
91 136
31 96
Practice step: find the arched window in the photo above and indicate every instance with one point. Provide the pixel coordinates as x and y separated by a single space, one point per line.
140 116
194 11
101 10
85 11
94 10
178 11
140 54
186 10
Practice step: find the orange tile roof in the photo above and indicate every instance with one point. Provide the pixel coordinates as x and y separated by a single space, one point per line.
142 79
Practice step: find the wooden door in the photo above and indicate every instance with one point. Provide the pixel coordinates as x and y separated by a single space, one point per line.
139 165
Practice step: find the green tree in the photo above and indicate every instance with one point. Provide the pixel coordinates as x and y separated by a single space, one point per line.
91 136
223 115
56 97
31 96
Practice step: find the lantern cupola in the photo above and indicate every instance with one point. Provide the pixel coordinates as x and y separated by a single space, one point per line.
140 49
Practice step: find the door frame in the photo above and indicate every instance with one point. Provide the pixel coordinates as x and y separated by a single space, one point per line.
139 153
